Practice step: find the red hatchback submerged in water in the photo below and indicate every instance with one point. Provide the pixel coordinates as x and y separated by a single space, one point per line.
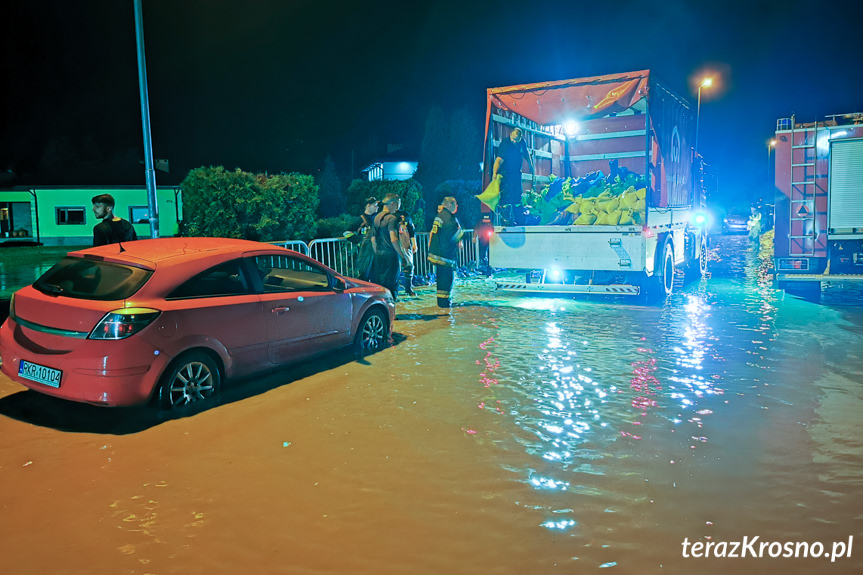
169 319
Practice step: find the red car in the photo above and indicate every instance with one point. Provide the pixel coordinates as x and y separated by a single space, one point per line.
168 319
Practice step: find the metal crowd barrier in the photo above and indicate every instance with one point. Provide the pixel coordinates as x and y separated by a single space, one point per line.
296 245
340 254
337 253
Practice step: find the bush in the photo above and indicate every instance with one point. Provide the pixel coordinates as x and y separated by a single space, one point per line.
410 192
238 204
337 226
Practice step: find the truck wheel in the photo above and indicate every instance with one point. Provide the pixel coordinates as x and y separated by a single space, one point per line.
661 283
696 269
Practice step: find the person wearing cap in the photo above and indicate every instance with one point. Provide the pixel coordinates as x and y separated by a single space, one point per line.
111 229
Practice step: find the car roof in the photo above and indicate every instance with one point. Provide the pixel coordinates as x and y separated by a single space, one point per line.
161 252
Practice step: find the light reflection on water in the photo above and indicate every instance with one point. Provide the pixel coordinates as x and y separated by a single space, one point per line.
605 397
510 435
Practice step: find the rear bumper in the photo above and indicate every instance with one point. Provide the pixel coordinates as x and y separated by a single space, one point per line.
123 373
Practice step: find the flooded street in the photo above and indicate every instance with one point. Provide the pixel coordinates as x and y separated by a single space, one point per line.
513 435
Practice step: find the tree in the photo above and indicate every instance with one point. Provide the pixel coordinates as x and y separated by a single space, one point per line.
330 191
433 163
466 145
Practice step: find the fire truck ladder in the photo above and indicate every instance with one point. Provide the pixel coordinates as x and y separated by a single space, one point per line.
801 228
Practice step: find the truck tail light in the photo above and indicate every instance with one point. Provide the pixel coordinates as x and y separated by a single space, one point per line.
121 323
647 232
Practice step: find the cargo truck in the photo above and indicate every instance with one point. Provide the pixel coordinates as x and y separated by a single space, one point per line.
818 203
591 127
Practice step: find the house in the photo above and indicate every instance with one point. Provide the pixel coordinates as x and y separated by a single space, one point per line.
63 215
396 164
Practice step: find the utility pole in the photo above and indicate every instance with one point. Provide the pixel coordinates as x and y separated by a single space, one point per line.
149 172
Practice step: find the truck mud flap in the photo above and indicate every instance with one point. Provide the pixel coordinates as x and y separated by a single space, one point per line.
564 289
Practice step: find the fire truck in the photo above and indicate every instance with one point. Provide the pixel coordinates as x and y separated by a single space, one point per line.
594 126
818 202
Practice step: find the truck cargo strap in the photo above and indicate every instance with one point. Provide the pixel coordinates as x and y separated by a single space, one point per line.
552 288
819 277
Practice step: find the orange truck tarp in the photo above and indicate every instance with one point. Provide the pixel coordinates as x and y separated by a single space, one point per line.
601 101
583 98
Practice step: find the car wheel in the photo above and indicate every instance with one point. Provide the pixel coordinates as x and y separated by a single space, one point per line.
192 378
372 333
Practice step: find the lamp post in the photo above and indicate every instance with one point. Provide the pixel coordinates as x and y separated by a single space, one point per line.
705 83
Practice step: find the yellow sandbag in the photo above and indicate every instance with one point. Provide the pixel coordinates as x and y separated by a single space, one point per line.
628 198
587 205
604 195
609 205
638 218
626 218
573 208
585 219
601 219
642 193
613 218
491 195
639 206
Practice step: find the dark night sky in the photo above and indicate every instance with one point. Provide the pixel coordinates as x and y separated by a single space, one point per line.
278 85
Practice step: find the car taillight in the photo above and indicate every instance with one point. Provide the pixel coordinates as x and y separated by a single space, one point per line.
121 323
647 232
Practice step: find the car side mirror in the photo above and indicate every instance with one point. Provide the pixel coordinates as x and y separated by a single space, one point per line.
339 284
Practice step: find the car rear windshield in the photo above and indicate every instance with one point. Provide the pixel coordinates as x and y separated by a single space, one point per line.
92 279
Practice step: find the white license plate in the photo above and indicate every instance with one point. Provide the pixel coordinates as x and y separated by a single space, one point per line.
40 373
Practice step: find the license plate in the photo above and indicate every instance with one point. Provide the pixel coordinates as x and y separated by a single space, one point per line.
40 373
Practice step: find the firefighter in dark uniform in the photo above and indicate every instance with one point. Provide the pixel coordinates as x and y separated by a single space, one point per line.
444 239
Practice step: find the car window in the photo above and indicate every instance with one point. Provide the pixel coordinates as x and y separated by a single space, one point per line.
92 279
284 273
225 279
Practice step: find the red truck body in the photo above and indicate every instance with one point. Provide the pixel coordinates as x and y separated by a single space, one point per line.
818 201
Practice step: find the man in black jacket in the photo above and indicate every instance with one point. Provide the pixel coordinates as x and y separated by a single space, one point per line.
111 229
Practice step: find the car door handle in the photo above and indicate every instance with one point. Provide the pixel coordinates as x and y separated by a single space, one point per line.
280 309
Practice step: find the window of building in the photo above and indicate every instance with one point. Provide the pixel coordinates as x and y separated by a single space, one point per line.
69 216
139 214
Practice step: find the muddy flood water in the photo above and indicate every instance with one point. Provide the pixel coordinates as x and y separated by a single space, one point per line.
514 435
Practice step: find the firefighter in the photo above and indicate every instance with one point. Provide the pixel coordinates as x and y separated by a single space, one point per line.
444 240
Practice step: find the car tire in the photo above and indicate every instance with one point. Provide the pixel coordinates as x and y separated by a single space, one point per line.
191 379
372 333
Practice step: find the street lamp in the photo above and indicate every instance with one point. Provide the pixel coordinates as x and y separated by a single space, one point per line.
705 83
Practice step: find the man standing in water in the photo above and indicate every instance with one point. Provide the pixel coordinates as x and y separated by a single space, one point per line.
446 233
